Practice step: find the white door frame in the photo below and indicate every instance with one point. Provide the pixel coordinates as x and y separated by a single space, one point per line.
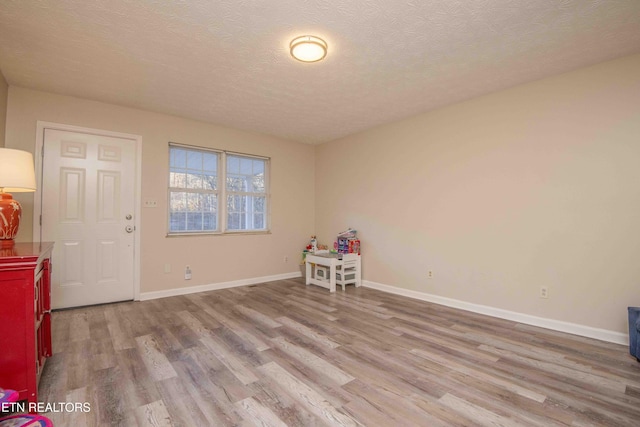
37 199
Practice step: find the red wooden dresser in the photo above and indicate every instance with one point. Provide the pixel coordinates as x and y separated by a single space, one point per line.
25 316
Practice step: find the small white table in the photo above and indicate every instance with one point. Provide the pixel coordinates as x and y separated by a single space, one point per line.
331 260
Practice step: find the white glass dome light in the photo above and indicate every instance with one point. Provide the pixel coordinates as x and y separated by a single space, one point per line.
308 48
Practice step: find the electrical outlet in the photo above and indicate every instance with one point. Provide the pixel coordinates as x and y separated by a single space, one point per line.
187 273
150 204
430 274
544 292
286 258
167 268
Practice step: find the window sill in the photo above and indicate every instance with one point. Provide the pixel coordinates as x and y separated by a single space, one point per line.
226 233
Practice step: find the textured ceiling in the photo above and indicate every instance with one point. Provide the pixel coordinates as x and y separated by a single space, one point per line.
227 61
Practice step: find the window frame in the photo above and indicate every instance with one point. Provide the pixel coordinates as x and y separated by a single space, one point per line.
221 193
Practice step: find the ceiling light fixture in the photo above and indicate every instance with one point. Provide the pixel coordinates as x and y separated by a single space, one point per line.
308 48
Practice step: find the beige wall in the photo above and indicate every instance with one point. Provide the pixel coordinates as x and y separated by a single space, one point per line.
538 185
532 186
213 259
4 91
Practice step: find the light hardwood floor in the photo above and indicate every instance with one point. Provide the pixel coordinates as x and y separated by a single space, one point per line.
284 354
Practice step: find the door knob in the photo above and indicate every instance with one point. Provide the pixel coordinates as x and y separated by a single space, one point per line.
128 229
128 217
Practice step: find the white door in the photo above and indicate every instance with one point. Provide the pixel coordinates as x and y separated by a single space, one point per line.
88 208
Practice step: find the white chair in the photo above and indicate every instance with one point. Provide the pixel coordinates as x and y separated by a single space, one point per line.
348 273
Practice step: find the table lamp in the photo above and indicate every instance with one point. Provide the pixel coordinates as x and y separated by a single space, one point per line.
17 175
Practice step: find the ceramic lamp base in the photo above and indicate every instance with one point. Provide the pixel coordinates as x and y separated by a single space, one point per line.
10 214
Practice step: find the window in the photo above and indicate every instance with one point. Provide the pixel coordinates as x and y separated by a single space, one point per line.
193 190
200 203
246 197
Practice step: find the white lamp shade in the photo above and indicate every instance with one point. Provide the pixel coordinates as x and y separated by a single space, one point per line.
17 173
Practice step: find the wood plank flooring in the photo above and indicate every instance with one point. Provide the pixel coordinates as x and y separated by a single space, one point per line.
286 354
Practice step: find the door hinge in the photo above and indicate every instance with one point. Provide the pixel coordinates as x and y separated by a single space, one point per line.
40 220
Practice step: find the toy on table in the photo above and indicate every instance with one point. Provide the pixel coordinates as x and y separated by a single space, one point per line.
347 242
314 246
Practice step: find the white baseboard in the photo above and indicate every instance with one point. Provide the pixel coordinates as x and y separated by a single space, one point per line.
556 325
144 296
